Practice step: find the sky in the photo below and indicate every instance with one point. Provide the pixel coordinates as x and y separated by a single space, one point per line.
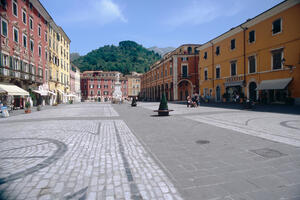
91 24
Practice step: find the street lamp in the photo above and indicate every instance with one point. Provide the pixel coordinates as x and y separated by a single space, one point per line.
289 66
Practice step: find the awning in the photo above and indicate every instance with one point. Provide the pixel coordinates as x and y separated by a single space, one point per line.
41 92
276 84
70 95
60 91
13 90
52 93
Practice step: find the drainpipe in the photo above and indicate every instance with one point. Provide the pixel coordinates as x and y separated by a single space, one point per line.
244 55
213 64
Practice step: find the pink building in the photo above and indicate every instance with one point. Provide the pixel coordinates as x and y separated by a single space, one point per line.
99 85
23 50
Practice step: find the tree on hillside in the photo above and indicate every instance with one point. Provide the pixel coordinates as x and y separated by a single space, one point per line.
127 57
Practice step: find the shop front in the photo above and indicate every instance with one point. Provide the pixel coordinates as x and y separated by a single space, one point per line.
274 91
13 96
233 89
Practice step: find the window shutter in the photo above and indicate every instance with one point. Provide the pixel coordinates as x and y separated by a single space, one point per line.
1 62
10 62
21 65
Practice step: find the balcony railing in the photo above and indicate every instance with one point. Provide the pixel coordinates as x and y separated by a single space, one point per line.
184 76
4 71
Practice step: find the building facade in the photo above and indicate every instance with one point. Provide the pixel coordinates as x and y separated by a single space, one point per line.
176 75
29 50
99 85
134 84
258 59
59 58
75 83
24 46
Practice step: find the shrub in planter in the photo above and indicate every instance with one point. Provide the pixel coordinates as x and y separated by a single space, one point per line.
163 109
70 101
27 107
133 103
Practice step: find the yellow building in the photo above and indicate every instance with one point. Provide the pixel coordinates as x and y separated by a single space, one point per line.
134 84
258 59
59 62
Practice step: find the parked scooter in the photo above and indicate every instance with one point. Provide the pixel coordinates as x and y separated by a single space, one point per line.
249 104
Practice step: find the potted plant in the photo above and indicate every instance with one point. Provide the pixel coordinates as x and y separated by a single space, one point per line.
27 107
133 103
163 109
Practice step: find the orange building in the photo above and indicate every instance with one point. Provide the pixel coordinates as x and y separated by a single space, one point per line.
176 75
259 59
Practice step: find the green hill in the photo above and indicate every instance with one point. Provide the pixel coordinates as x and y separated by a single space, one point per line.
127 57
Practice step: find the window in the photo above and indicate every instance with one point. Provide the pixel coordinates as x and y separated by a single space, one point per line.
205 74
46 37
46 55
232 44
5 60
15 8
184 71
92 92
217 50
233 68
276 26
218 74
98 92
184 59
24 16
205 55
251 36
166 71
25 41
16 35
39 30
3 27
252 64
277 56
31 45
31 23
40 51
99 86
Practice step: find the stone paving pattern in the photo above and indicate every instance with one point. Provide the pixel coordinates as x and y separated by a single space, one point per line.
92 165
120 152
232 165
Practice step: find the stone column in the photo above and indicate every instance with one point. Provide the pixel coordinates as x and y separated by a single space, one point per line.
175 77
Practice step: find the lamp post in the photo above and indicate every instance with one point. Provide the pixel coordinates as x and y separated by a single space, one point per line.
289 66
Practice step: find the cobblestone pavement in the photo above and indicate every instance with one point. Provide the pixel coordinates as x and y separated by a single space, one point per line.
283 128
45 158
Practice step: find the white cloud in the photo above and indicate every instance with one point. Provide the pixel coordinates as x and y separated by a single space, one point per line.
96 11
203 11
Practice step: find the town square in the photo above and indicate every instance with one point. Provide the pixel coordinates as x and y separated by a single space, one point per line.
115 151
149 100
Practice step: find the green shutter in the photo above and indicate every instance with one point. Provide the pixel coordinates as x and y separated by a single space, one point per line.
10 62
21 64
1 60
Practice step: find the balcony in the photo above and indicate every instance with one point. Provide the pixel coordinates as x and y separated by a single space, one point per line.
4 72
17 74
25 76
184 76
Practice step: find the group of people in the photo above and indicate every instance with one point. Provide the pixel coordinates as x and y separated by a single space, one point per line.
193 101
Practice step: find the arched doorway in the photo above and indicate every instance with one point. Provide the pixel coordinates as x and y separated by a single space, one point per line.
218 93
252 91
185 88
